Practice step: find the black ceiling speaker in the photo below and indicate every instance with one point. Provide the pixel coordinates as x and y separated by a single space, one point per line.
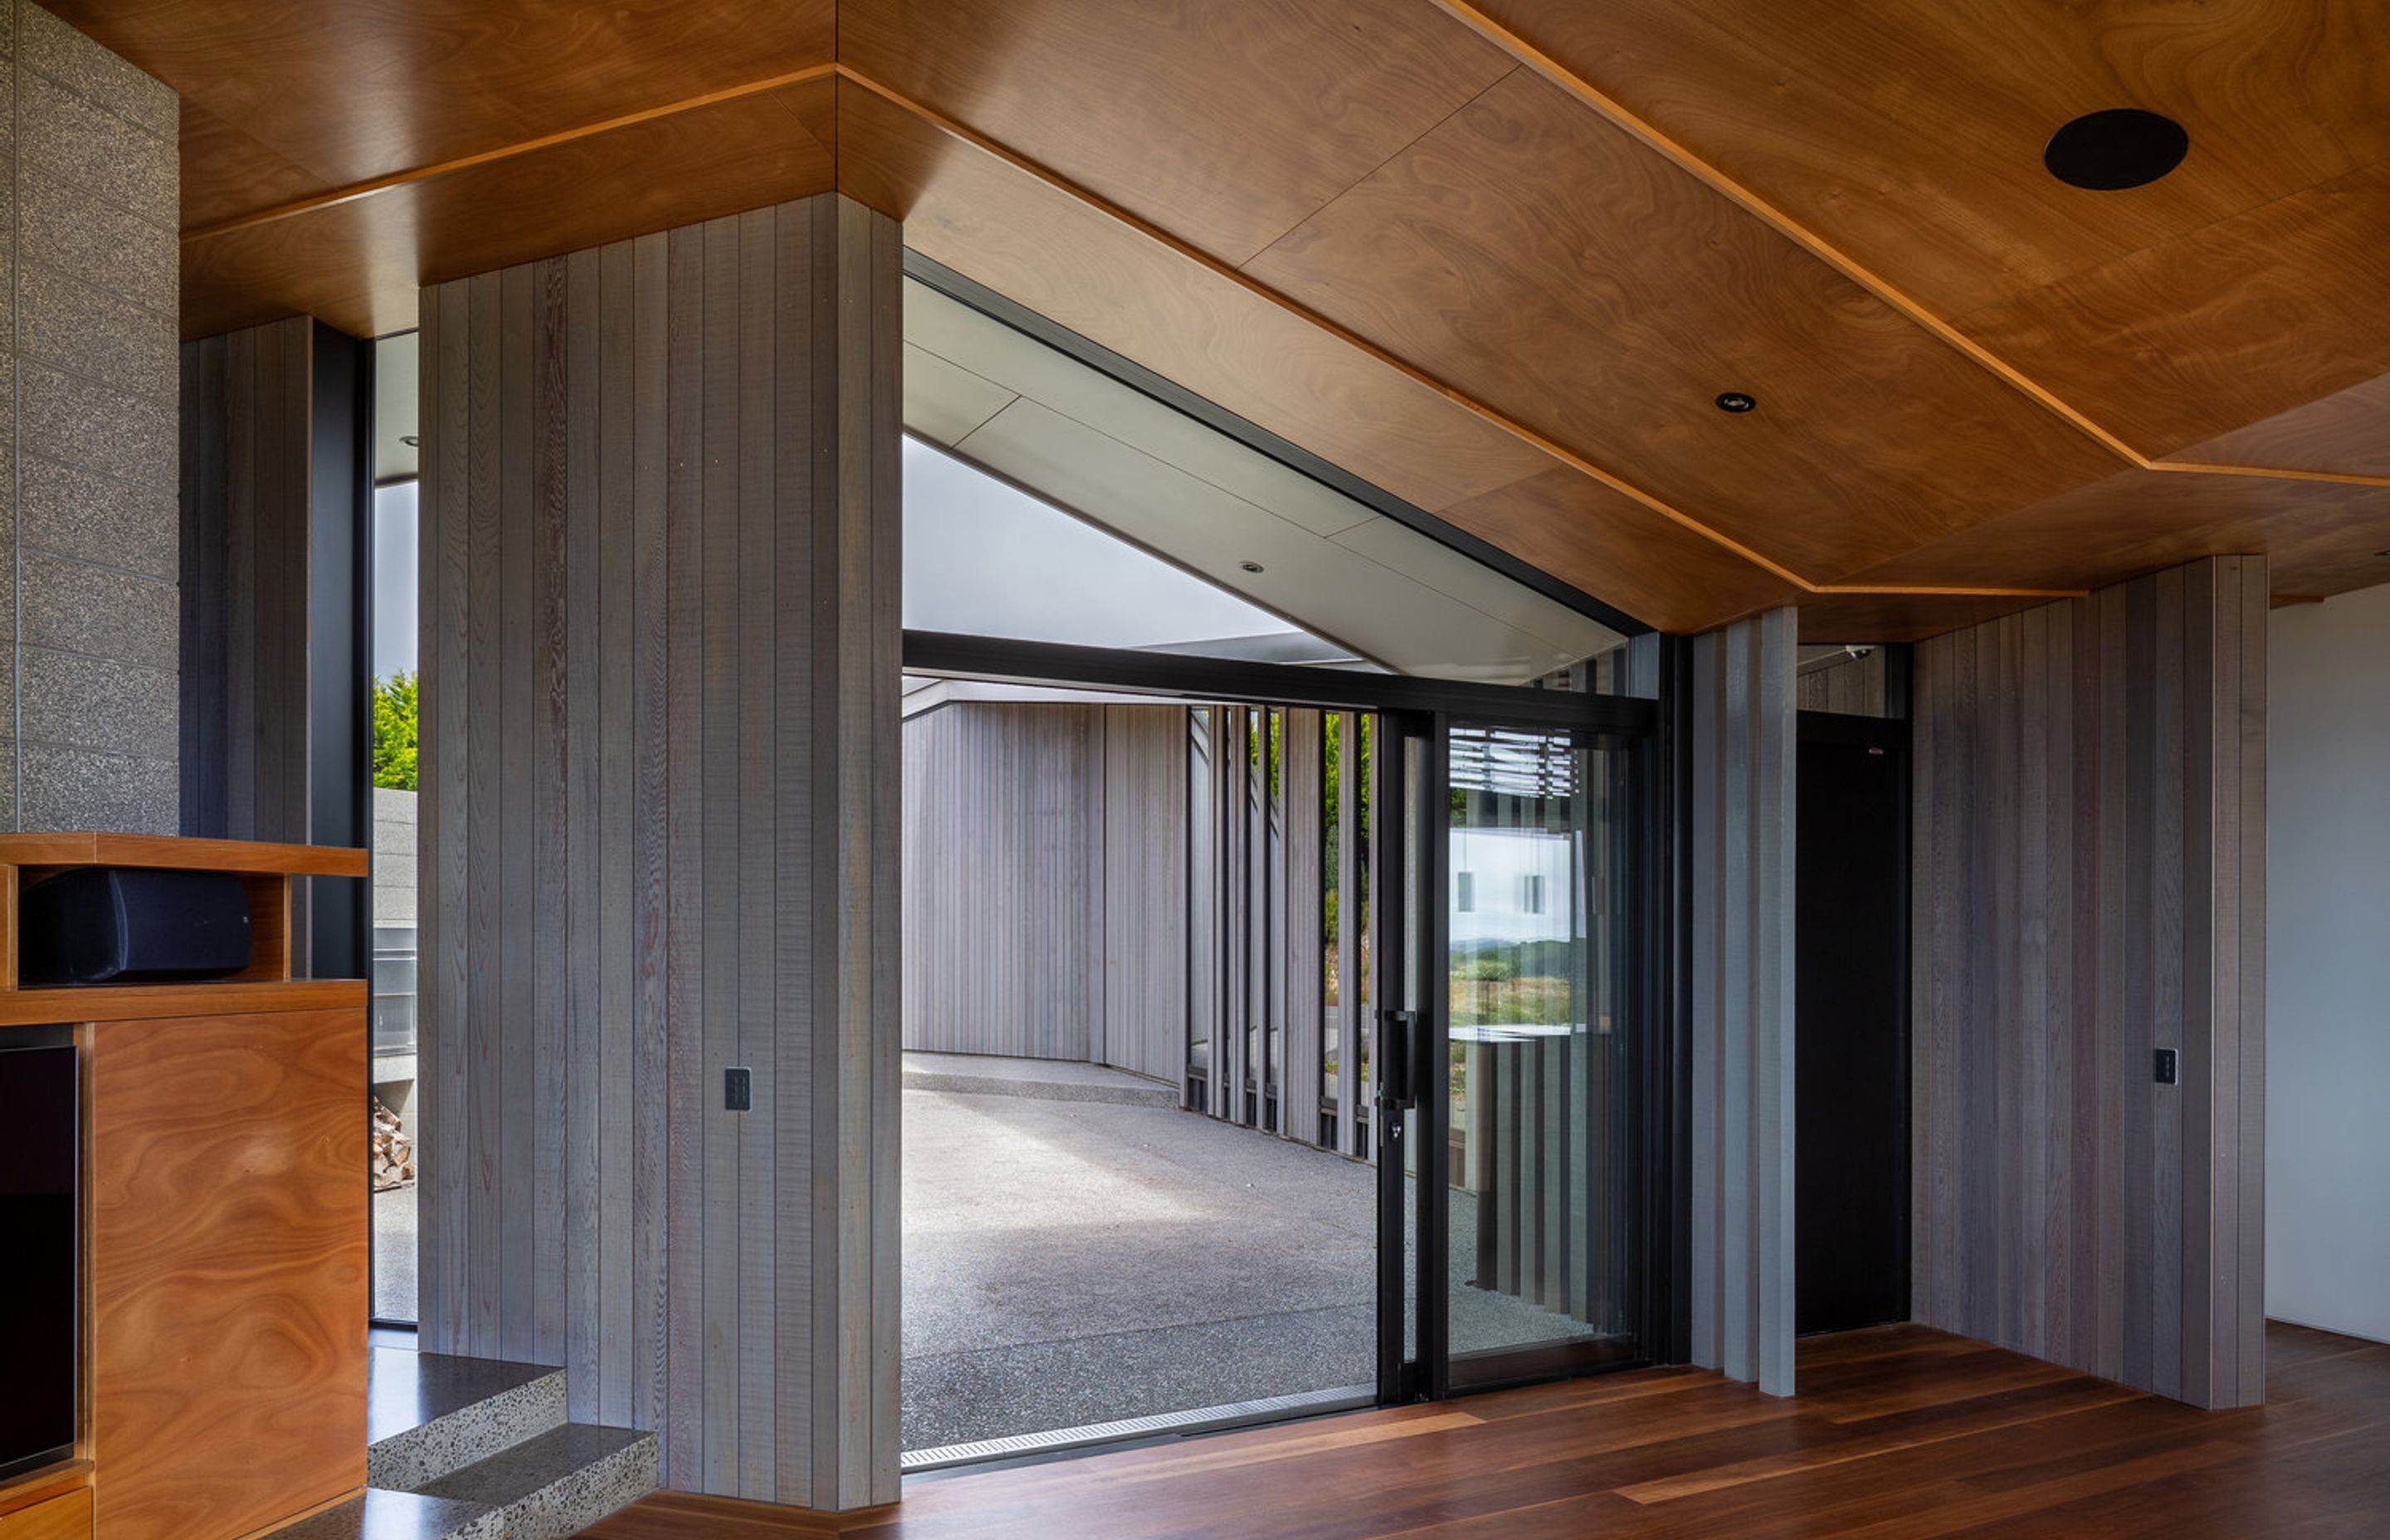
2120 147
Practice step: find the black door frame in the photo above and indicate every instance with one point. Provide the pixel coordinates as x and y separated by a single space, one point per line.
1659 1200
1418 709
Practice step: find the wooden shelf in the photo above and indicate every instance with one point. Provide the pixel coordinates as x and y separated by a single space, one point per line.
85 848
266 873
71 1003
39 1486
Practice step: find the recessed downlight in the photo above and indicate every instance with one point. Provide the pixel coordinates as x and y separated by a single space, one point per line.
1250 566
411 440
1737 401
2116 148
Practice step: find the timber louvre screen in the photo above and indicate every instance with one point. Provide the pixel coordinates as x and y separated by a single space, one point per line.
1278 965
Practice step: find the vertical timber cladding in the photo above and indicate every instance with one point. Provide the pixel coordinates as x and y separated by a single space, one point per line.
247 408
2089 887
1267 866
1045 882
662 645
271 741
1742 824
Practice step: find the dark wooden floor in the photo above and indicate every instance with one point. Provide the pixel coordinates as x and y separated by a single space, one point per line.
1899 1431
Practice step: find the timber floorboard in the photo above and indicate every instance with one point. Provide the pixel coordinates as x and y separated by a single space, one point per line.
1899 1431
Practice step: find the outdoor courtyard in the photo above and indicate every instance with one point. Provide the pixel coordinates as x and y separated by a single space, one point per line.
1076 1262
1070 1261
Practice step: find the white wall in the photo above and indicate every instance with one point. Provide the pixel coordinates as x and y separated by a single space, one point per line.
2328 965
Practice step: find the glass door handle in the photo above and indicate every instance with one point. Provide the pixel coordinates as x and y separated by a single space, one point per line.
1398 1053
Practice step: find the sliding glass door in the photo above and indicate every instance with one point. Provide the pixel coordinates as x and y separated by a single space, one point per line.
1542 1189
1522 1195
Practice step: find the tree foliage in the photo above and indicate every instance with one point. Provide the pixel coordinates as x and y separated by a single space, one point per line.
394 714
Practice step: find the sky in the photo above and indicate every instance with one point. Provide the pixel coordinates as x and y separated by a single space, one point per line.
980 557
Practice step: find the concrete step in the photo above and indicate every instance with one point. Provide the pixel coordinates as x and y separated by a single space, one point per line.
1039 1079
380 1514
429 1414
557 1482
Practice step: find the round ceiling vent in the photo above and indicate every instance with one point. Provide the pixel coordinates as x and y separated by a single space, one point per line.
2120 147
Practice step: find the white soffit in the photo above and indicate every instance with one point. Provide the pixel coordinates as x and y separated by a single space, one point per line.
395 408
1144 470
944 402
1324 586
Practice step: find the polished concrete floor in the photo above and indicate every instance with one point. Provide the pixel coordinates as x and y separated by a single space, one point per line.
1070 1261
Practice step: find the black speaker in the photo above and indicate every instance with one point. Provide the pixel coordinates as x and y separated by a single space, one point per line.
132 925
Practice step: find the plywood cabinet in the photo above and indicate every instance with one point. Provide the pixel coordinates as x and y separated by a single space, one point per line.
226 1222
228 1270
64 1516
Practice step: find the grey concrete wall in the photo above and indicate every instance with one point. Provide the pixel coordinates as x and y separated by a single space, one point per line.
393 857
88 524
2327 972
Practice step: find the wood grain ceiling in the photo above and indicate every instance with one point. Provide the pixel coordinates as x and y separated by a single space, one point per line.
1494 255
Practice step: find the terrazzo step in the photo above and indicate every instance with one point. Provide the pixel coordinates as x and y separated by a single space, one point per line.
557 1482
429 1414
380 1514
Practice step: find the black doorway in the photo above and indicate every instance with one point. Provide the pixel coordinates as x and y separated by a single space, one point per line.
1851 1024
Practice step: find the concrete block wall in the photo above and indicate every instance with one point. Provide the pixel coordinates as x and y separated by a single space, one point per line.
88 378
393 851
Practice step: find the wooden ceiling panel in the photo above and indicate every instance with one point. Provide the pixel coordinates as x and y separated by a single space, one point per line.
357 263
1497 256
1845 618
226 172
1001 226
1911 135
1605 543
1224 121
2321 537
2348 432
1540 259
2226 326
357 89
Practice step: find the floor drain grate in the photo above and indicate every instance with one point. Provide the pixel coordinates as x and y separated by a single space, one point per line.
1202 1419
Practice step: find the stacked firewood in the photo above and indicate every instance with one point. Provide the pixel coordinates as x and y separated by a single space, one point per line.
394 1152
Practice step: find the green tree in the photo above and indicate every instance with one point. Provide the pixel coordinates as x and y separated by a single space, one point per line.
394 703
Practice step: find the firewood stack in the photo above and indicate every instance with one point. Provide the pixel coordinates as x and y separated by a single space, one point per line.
394 1153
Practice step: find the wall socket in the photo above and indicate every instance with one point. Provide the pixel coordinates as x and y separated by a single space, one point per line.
2168 1067
738 1089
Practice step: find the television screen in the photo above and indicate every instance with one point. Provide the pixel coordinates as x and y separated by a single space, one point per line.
39 1156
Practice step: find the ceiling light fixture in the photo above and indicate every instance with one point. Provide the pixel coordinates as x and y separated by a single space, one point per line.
1250 566
2120 147
1737 401
410 440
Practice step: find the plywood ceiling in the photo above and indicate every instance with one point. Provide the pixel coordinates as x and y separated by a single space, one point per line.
1496 255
